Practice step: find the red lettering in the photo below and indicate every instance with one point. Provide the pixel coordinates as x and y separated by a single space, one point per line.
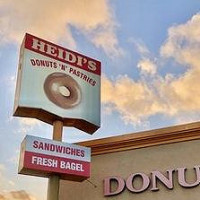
35 144
33 62
82 153
59 149
64 55
40 146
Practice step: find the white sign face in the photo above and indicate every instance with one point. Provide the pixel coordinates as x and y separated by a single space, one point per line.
55 83
42 157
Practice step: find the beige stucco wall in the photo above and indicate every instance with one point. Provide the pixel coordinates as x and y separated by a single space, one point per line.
162 157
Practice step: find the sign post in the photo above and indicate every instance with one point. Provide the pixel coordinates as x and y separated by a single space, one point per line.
53 187
54 180
60 87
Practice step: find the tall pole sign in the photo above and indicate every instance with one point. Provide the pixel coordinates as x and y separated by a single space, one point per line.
55 83
62 88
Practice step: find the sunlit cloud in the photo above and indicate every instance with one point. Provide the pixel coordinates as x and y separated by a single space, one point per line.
183 44
147 66
16 195
27 124
135 101
147 63
171 96
94 19
140 47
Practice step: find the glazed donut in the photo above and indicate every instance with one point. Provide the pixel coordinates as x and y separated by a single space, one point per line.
62 90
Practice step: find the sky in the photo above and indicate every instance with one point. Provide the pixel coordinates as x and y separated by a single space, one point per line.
149 51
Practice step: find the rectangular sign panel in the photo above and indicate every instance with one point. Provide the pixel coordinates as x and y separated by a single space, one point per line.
43 157
55 83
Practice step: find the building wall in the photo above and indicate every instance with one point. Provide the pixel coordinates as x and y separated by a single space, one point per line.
162 157
145 160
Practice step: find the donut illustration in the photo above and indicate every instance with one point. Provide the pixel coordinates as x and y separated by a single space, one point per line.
62 90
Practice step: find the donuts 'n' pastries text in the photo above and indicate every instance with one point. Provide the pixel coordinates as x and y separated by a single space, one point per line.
82 76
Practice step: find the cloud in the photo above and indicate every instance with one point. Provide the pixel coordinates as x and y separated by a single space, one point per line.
4 180
14 159
9 82
135 101
181 94
183 43
2 167
140 47
2 170
147 66
53 20
27 124
176 97
16 195
147 63
107 38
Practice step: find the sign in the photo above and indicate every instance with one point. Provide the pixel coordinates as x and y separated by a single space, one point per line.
43 157
145 182
55 83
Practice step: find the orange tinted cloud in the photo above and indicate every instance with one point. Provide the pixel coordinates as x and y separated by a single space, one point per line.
171 95
51 20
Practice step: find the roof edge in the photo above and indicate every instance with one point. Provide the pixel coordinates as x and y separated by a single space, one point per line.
174 134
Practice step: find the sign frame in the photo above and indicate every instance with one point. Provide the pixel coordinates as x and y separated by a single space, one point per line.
44 157
84 63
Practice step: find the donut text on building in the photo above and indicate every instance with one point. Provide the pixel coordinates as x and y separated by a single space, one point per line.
150 182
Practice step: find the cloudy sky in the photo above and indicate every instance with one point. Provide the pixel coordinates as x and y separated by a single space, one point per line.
149 51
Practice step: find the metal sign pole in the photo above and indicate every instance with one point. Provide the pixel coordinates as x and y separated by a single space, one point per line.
54 180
